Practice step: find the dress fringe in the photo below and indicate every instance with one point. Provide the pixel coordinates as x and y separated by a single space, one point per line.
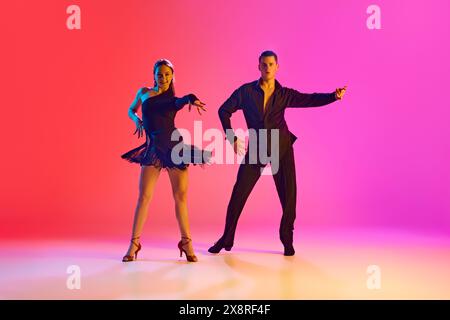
151 156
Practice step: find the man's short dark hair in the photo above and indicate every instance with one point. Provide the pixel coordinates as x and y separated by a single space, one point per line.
268 53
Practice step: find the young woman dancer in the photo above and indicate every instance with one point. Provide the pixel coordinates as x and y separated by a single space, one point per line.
159 107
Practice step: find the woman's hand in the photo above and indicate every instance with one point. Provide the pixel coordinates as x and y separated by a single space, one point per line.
199 105
139 127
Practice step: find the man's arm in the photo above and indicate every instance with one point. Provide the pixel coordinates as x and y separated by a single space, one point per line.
226 110
296 99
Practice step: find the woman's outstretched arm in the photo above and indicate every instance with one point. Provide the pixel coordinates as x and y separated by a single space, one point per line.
192 100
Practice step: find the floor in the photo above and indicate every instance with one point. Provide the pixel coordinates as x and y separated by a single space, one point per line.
329 264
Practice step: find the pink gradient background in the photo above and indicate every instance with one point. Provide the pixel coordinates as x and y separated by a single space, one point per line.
380 157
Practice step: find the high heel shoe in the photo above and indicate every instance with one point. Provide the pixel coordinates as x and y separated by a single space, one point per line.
219 246
189 258
129 258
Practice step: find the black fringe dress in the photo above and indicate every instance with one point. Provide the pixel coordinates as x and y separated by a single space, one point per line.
158 115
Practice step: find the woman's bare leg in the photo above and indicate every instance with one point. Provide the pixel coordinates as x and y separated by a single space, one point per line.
179 181
147 182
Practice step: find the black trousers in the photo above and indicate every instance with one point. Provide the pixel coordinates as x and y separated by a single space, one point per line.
285 182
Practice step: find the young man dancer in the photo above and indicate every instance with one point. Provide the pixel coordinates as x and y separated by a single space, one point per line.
263 103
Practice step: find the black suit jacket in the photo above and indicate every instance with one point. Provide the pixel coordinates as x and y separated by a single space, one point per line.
250 99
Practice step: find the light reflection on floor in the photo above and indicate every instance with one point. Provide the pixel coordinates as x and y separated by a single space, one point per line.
329 264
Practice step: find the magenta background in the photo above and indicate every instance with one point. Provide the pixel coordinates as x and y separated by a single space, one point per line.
380 157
